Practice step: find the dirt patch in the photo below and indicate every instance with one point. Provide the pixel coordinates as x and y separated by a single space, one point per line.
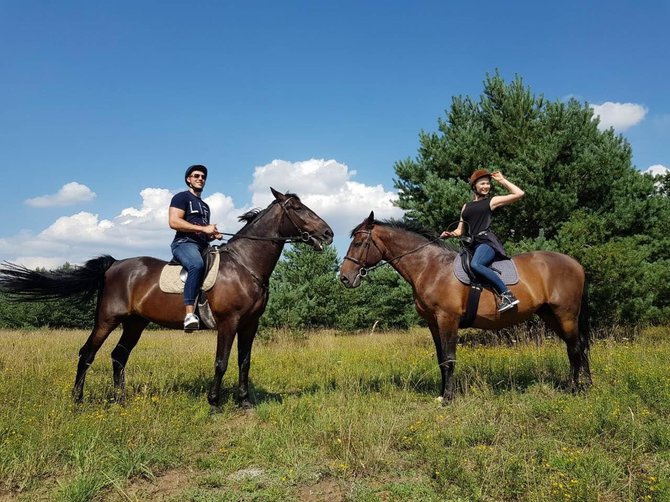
164 486
327 489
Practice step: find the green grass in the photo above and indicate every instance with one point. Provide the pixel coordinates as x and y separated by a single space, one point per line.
336 418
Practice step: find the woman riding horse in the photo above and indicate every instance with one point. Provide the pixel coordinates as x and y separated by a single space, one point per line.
486 246
551 285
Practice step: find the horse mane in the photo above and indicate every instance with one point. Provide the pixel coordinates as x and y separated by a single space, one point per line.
255 213
250 215
411 226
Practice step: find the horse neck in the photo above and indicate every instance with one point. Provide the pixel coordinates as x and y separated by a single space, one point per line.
399 242
260 256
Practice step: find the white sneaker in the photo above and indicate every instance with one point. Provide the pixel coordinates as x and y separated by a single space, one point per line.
191 322
508 301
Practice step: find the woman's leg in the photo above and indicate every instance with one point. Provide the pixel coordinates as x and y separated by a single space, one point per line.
481 259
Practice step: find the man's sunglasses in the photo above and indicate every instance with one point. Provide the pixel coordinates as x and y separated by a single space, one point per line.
197 176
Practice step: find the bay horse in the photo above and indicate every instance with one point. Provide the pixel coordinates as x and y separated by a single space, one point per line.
551 285
128 292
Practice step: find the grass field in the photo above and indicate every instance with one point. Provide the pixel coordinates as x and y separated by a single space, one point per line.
336 418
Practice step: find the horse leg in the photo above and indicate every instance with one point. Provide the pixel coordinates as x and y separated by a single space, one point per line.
445 341
132 330
566 326
226 334
87 353
245 339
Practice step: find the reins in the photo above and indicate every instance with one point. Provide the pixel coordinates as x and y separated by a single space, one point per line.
303 237
364 270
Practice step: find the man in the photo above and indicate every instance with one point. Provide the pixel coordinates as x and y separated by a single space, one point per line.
189 216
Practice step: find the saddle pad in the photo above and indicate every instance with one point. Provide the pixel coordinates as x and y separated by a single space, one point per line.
507 270
170 281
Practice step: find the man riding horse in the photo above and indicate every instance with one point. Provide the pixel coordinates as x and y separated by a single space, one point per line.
189 216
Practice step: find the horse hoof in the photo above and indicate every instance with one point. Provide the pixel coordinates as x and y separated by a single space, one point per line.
215 410
246 404
443 400
213 401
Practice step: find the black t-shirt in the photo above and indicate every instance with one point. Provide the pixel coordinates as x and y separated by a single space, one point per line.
478 214
196 212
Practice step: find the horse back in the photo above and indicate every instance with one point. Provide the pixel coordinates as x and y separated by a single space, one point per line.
545 277
543 266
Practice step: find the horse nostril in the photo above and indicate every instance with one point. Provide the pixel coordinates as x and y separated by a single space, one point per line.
329 233
344 280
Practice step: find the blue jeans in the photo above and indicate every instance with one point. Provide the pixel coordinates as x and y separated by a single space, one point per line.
188 254
483 257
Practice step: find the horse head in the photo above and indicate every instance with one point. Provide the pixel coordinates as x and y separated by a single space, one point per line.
362 254
301 222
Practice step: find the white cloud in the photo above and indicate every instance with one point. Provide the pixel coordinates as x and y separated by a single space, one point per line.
657 170
326 186
620 116
134 231
69 194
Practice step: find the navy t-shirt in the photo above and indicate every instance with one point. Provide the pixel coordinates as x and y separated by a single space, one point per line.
196 212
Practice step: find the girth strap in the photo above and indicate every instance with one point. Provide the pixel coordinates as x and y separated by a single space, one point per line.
471 307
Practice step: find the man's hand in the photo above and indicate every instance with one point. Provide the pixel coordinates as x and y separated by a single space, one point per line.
447 233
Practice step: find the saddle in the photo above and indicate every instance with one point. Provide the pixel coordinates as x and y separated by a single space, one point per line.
173 275
506 269
463 272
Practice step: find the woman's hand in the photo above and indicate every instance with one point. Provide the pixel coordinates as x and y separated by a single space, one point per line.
447 233
497 176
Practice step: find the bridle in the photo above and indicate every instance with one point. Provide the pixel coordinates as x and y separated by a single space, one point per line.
303 237
364 269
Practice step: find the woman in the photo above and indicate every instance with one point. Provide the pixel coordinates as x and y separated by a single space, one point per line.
477 215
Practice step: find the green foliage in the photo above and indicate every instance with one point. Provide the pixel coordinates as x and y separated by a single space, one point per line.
305 293
583 195
384 300
303 289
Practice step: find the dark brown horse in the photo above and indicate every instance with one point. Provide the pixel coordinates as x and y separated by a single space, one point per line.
550 285
129 294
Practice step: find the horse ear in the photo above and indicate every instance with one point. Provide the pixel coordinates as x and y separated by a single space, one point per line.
277 195
371 219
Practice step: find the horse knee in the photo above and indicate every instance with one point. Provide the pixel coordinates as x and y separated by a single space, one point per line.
220 366
120 355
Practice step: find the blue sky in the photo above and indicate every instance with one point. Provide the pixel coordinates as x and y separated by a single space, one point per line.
104 104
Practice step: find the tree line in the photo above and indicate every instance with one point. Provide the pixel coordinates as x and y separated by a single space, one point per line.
584 197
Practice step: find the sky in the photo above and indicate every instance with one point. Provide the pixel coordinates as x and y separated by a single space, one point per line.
105 104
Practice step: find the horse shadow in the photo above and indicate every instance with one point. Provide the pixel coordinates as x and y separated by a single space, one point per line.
467 378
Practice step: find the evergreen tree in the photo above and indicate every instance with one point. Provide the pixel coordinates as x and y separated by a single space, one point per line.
303 289
584 197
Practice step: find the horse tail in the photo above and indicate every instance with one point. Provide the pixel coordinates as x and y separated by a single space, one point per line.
23 284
